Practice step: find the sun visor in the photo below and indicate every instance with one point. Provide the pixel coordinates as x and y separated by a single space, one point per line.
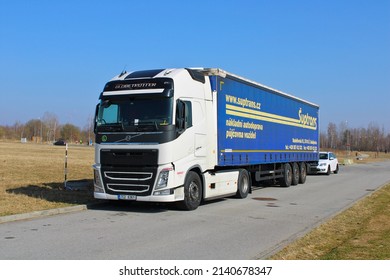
160 86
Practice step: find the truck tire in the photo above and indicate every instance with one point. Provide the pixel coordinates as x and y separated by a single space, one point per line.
286 180
192 192
302 173
243 184
295 174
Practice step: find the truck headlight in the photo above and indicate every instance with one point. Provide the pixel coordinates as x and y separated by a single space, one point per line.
162 180
97 183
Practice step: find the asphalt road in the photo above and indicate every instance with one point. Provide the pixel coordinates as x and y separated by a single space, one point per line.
230 228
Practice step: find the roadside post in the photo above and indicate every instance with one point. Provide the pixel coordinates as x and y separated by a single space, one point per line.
66 166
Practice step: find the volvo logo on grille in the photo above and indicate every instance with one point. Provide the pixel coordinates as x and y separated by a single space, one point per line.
129 137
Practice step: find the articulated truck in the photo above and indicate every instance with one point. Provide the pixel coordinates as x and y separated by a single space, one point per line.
194 134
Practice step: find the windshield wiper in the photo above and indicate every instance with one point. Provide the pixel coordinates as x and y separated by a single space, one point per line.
146 125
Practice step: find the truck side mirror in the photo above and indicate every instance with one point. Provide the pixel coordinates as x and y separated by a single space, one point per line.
96 117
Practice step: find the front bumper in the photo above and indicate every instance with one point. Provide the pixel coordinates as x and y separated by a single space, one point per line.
178 194
322 169
103 188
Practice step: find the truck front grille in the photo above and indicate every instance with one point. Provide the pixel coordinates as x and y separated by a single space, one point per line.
129 171
128 188
124 180
128 176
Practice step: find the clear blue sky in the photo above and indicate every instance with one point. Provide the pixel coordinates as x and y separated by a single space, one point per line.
56 56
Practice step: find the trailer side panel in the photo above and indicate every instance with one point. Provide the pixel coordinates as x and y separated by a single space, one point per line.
257 125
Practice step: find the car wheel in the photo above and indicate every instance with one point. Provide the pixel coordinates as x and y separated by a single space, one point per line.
337 169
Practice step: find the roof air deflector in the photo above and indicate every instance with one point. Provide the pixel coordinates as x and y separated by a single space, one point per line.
143 74
196 75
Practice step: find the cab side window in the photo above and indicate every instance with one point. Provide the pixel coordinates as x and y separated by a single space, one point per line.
188 113
183 115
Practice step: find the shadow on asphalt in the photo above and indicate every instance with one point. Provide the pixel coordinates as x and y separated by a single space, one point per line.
131 206
141 207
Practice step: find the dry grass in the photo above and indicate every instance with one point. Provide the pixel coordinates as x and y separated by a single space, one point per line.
362 232
32 176
366 157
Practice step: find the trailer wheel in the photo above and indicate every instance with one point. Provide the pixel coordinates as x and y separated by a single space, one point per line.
295 174
302 173
287 175
192 192
243 184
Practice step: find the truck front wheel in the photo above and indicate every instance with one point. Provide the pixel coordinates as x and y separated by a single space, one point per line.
192 192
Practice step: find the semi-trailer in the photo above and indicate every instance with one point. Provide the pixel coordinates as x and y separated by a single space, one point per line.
189 135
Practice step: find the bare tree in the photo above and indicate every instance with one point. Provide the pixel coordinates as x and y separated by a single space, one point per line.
51 124
372 138
332 135
70 132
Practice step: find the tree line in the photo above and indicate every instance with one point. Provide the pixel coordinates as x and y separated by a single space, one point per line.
373 138
47 130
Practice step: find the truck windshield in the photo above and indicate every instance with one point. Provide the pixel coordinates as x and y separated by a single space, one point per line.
134 114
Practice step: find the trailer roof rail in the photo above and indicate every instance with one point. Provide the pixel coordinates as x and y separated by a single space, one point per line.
222 73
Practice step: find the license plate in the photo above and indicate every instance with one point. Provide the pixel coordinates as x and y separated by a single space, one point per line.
127 197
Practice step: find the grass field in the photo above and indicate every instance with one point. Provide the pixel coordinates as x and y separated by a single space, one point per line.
32 176
368 157
362 232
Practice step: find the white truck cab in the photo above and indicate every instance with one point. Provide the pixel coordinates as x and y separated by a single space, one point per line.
155 130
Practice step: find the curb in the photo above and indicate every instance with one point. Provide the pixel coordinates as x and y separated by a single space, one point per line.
43 213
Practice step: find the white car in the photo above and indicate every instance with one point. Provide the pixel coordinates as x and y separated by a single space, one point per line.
328 163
